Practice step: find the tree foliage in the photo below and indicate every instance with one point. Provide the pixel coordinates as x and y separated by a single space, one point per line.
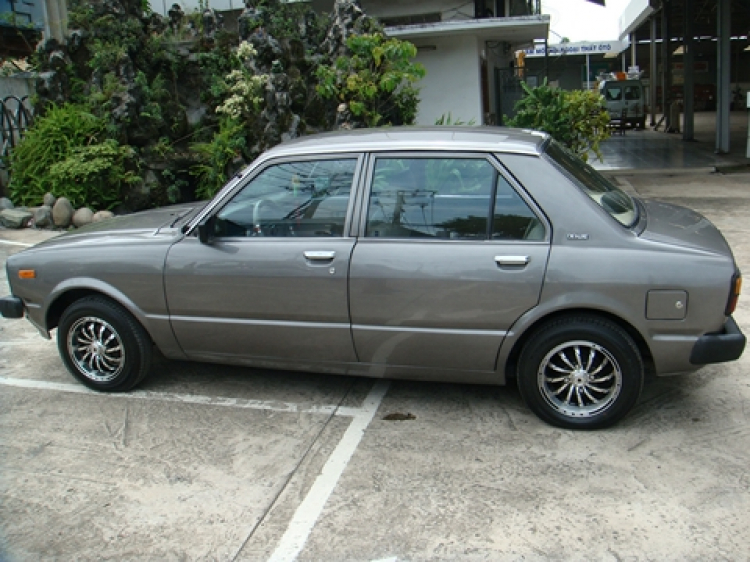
577 118
376 80
139 100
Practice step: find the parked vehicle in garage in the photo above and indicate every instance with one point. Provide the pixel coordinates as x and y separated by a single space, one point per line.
625 101
447 254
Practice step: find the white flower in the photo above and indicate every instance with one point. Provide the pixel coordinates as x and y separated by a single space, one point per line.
246 51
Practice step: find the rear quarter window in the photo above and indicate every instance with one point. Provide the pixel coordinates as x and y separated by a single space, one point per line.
609 197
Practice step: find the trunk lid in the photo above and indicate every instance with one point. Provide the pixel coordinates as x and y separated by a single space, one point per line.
680 226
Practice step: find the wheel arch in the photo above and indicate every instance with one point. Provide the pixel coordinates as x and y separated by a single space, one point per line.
511 363
157 325
74 290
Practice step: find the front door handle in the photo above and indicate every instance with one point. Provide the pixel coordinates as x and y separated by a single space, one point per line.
318 255
512 261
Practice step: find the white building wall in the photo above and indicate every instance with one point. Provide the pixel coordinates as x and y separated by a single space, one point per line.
450 9
188 6
452 83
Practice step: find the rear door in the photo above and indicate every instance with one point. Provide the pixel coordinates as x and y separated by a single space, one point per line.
450 254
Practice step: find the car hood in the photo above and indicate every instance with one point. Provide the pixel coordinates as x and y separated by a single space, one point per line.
138 225
680 226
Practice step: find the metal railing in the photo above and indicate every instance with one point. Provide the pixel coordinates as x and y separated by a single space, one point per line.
16 116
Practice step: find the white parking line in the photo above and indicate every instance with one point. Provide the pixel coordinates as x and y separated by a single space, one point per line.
14 243
309 510
274 406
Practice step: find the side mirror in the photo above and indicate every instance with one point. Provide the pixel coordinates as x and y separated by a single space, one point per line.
205 231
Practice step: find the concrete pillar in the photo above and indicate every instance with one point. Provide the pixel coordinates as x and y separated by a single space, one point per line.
666 63
688 132
723 85
55 19
653 73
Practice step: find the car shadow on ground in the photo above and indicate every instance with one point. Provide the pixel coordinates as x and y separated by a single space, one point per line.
670 400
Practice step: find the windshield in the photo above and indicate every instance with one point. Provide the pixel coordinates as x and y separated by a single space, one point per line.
609 197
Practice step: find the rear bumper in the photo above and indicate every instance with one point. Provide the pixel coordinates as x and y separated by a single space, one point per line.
719 347
11 307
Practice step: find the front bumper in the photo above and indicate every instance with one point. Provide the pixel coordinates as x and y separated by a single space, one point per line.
11 307
719 347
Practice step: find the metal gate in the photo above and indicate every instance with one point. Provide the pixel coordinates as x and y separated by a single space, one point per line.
16 115
508 90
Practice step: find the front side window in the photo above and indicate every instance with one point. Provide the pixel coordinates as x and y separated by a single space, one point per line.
613 200
307 198
446 198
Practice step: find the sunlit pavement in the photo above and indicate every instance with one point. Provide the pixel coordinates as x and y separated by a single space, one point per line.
209 462
656 150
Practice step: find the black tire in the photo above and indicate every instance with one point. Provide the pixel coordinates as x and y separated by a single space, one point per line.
103 346
580 372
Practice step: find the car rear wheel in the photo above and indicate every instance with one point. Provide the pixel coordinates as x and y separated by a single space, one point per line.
103 346
580 373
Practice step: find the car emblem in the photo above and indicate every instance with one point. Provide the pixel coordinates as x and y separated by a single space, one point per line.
578 236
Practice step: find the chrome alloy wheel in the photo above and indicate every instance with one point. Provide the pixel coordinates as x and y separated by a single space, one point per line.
579 379
96 349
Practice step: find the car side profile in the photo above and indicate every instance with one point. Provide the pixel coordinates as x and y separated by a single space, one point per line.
471 255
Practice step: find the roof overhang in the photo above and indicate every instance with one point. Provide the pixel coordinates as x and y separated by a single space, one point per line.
521 29
634 14
18 41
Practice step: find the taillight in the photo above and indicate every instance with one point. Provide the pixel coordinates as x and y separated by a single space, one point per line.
734 293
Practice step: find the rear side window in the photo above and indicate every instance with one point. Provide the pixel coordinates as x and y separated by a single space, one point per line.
446 198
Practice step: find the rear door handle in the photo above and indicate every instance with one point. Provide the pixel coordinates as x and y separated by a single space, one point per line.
516 261
318 255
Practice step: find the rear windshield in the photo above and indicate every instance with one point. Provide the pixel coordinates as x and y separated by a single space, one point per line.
609 197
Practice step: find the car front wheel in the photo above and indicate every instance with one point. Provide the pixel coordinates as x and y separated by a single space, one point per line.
580 373
102 345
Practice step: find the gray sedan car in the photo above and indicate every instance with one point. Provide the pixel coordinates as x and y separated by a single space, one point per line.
473 255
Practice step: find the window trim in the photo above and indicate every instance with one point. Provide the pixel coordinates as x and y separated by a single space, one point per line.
248 176
490 158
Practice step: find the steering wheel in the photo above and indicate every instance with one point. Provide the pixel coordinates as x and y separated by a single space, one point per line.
263 210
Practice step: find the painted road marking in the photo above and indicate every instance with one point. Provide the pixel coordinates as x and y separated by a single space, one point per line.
14 243
309 510
271 405
15 343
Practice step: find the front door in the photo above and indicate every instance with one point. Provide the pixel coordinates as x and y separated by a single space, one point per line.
271 284
450 256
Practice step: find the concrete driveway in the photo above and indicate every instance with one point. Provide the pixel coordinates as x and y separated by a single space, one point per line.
223 463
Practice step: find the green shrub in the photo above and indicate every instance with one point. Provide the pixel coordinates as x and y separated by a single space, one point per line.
52 138
447 120
95 175
578 118
216 156
65 153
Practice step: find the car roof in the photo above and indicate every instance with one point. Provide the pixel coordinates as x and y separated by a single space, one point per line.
484 139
